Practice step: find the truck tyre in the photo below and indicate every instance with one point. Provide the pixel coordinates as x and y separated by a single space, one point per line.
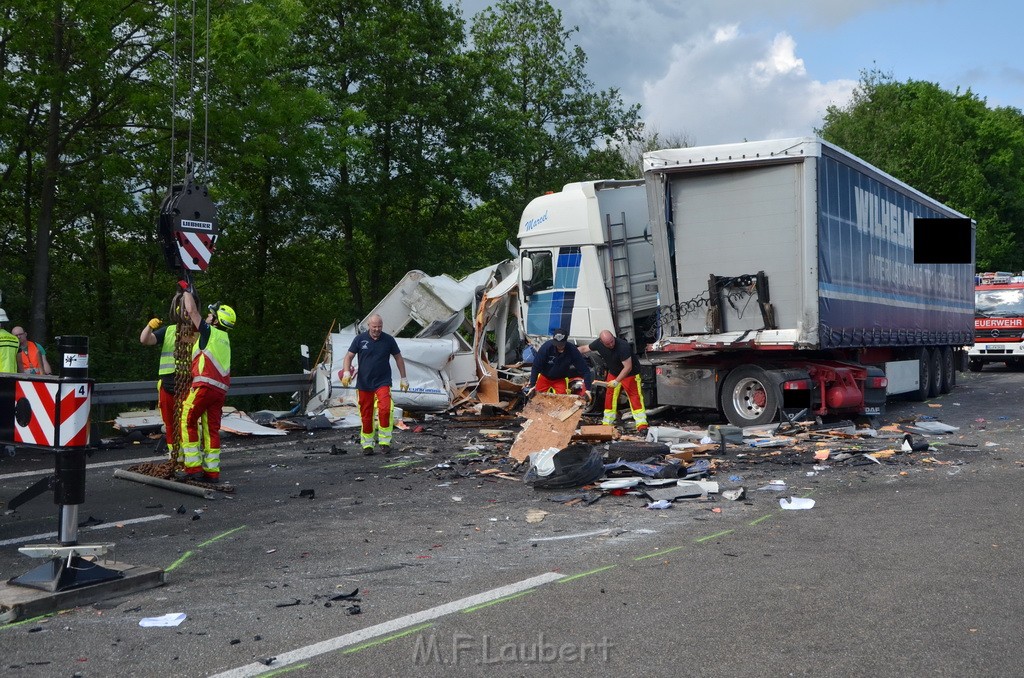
749 397
936 385
924 375
974 364
948 369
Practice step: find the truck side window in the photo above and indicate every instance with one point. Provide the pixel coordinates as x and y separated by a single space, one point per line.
543 272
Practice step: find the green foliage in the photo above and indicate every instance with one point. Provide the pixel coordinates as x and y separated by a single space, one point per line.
345 142
949 145
546 125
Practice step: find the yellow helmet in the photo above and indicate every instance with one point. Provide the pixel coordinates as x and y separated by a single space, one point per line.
226 317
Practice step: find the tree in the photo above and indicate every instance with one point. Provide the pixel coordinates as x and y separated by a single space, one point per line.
71 71
949 145
546 123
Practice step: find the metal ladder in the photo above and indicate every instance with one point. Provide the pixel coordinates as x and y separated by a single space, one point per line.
618 277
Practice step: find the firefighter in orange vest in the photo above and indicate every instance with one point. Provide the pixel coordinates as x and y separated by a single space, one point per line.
31 356
211 376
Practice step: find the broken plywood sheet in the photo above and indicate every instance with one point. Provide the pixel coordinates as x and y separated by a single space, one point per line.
551 421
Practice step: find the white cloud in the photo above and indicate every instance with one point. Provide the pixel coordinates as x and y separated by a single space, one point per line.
724 85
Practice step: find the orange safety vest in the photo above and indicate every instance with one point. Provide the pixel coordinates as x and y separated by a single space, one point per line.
29 359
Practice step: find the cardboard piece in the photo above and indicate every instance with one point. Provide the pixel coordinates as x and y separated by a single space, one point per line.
596 434
550 422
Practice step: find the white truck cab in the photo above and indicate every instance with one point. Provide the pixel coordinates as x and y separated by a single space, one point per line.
587 262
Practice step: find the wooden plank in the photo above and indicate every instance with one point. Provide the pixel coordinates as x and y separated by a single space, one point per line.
545 427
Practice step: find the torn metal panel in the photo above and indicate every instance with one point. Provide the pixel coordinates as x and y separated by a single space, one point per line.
240 423
441 366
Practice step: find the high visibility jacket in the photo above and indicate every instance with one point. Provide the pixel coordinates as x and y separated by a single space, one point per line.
31 359
212 365
9 346
167 351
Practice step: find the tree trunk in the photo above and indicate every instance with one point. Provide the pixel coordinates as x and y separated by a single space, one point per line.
51 169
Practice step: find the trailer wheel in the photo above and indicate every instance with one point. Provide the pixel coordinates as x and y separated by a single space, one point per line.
749 397
974 364
924 375
936 383
948 369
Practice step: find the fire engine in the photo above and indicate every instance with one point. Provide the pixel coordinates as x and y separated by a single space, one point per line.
998 320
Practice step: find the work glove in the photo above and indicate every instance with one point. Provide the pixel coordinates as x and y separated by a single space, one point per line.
346 378
587 398
155 323
529 391
404 385
613 384
183 285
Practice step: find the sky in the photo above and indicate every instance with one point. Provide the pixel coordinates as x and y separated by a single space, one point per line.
720 71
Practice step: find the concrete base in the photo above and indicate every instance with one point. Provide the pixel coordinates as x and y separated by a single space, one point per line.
20 602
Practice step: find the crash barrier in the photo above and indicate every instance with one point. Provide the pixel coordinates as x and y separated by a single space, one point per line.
145 391
51 414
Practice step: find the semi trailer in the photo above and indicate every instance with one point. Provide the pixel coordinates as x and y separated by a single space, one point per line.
767 280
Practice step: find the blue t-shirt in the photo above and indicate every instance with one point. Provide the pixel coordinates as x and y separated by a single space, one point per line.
374 360
555 364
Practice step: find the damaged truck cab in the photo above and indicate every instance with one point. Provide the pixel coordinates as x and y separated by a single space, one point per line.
765 279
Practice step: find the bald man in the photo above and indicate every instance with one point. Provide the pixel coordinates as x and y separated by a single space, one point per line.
31 356
374 349
623 374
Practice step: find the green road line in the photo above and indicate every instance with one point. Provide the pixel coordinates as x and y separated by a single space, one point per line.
381 641
287 669
764 517
399 464
712 536
179 561
27 621
660 553
585 574
220 536
189 554
496 601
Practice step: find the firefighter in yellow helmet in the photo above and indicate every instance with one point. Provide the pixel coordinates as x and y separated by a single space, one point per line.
211 376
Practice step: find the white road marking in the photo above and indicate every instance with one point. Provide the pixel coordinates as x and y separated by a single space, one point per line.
323 647
101 526
102 464
572 536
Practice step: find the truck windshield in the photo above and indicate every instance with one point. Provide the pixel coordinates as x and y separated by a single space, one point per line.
999 303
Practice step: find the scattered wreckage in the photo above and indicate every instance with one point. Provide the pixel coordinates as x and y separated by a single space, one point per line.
477 387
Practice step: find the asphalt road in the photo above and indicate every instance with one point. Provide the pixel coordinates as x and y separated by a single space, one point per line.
909 567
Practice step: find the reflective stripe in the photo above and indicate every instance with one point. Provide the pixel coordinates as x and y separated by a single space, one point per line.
211 460
212 365
9 347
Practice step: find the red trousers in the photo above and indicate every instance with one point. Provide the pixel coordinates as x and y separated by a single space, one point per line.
167 414
555 385
366 398
209 401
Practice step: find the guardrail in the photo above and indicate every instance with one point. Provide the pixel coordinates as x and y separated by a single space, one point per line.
145 391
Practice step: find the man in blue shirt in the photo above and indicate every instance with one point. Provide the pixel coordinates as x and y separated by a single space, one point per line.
373 382
557 361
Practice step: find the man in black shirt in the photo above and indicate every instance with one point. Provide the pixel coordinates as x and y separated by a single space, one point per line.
555 363
623 373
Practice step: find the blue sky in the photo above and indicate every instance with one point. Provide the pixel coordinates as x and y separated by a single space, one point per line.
718 71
